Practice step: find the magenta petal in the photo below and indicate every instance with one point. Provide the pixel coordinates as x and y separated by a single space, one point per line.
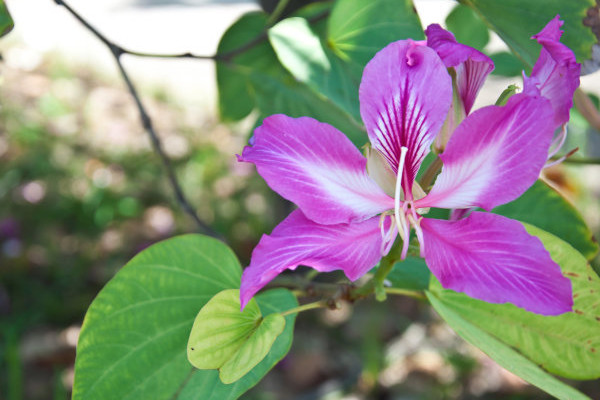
493 258
353 248
405 95
317 167
556 72
494 155
471 65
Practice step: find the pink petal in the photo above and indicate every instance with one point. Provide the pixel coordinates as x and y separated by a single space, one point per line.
405 95
556 72
493 258
317 167
494 155
353 248
471 65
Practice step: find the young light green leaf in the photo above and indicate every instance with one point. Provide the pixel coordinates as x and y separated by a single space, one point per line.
540 201
568 344
467 27
220 329
233 341
6 21
254 349
206 384
503 354
516 21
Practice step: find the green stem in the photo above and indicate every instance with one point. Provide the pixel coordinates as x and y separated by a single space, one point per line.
430 173
305 307
405 292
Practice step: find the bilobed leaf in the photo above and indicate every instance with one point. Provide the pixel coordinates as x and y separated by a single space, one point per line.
206 385
6 21
220 329
359 29
503 354
467 27
516 21
133 340
543 207
254 349
566 345
233 341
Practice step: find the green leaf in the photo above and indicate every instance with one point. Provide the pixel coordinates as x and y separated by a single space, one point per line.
294 99
504 355
206 385
255 78
6 21
133 340
467 27
506 64
541 201
236 99
220 329
300 50
359 29
234 341
566 345
516 21
412 273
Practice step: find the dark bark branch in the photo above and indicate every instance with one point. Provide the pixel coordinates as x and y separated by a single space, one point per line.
117 52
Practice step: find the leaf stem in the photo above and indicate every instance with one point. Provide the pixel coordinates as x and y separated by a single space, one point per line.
405 292
430 173
281 5
305 307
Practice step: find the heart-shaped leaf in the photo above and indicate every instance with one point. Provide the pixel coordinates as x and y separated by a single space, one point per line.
233 341
133 340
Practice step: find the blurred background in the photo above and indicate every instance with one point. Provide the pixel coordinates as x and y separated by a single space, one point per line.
81 192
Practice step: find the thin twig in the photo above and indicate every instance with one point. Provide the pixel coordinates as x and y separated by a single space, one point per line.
226 56
117 52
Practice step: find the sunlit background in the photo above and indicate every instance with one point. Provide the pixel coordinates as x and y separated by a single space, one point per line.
81 192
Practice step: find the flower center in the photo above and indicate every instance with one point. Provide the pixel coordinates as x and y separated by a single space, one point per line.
405 214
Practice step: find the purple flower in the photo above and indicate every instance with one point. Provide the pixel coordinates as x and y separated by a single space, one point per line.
348 218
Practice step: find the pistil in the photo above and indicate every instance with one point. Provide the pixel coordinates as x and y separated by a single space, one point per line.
401 223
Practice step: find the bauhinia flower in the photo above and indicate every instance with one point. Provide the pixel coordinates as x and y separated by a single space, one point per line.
348 218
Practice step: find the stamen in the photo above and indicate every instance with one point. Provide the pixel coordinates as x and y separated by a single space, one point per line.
415 220
400 217
561 159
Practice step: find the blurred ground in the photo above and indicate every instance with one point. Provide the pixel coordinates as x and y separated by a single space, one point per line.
81 192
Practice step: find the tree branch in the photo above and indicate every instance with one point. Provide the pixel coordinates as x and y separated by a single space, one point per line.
117 52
